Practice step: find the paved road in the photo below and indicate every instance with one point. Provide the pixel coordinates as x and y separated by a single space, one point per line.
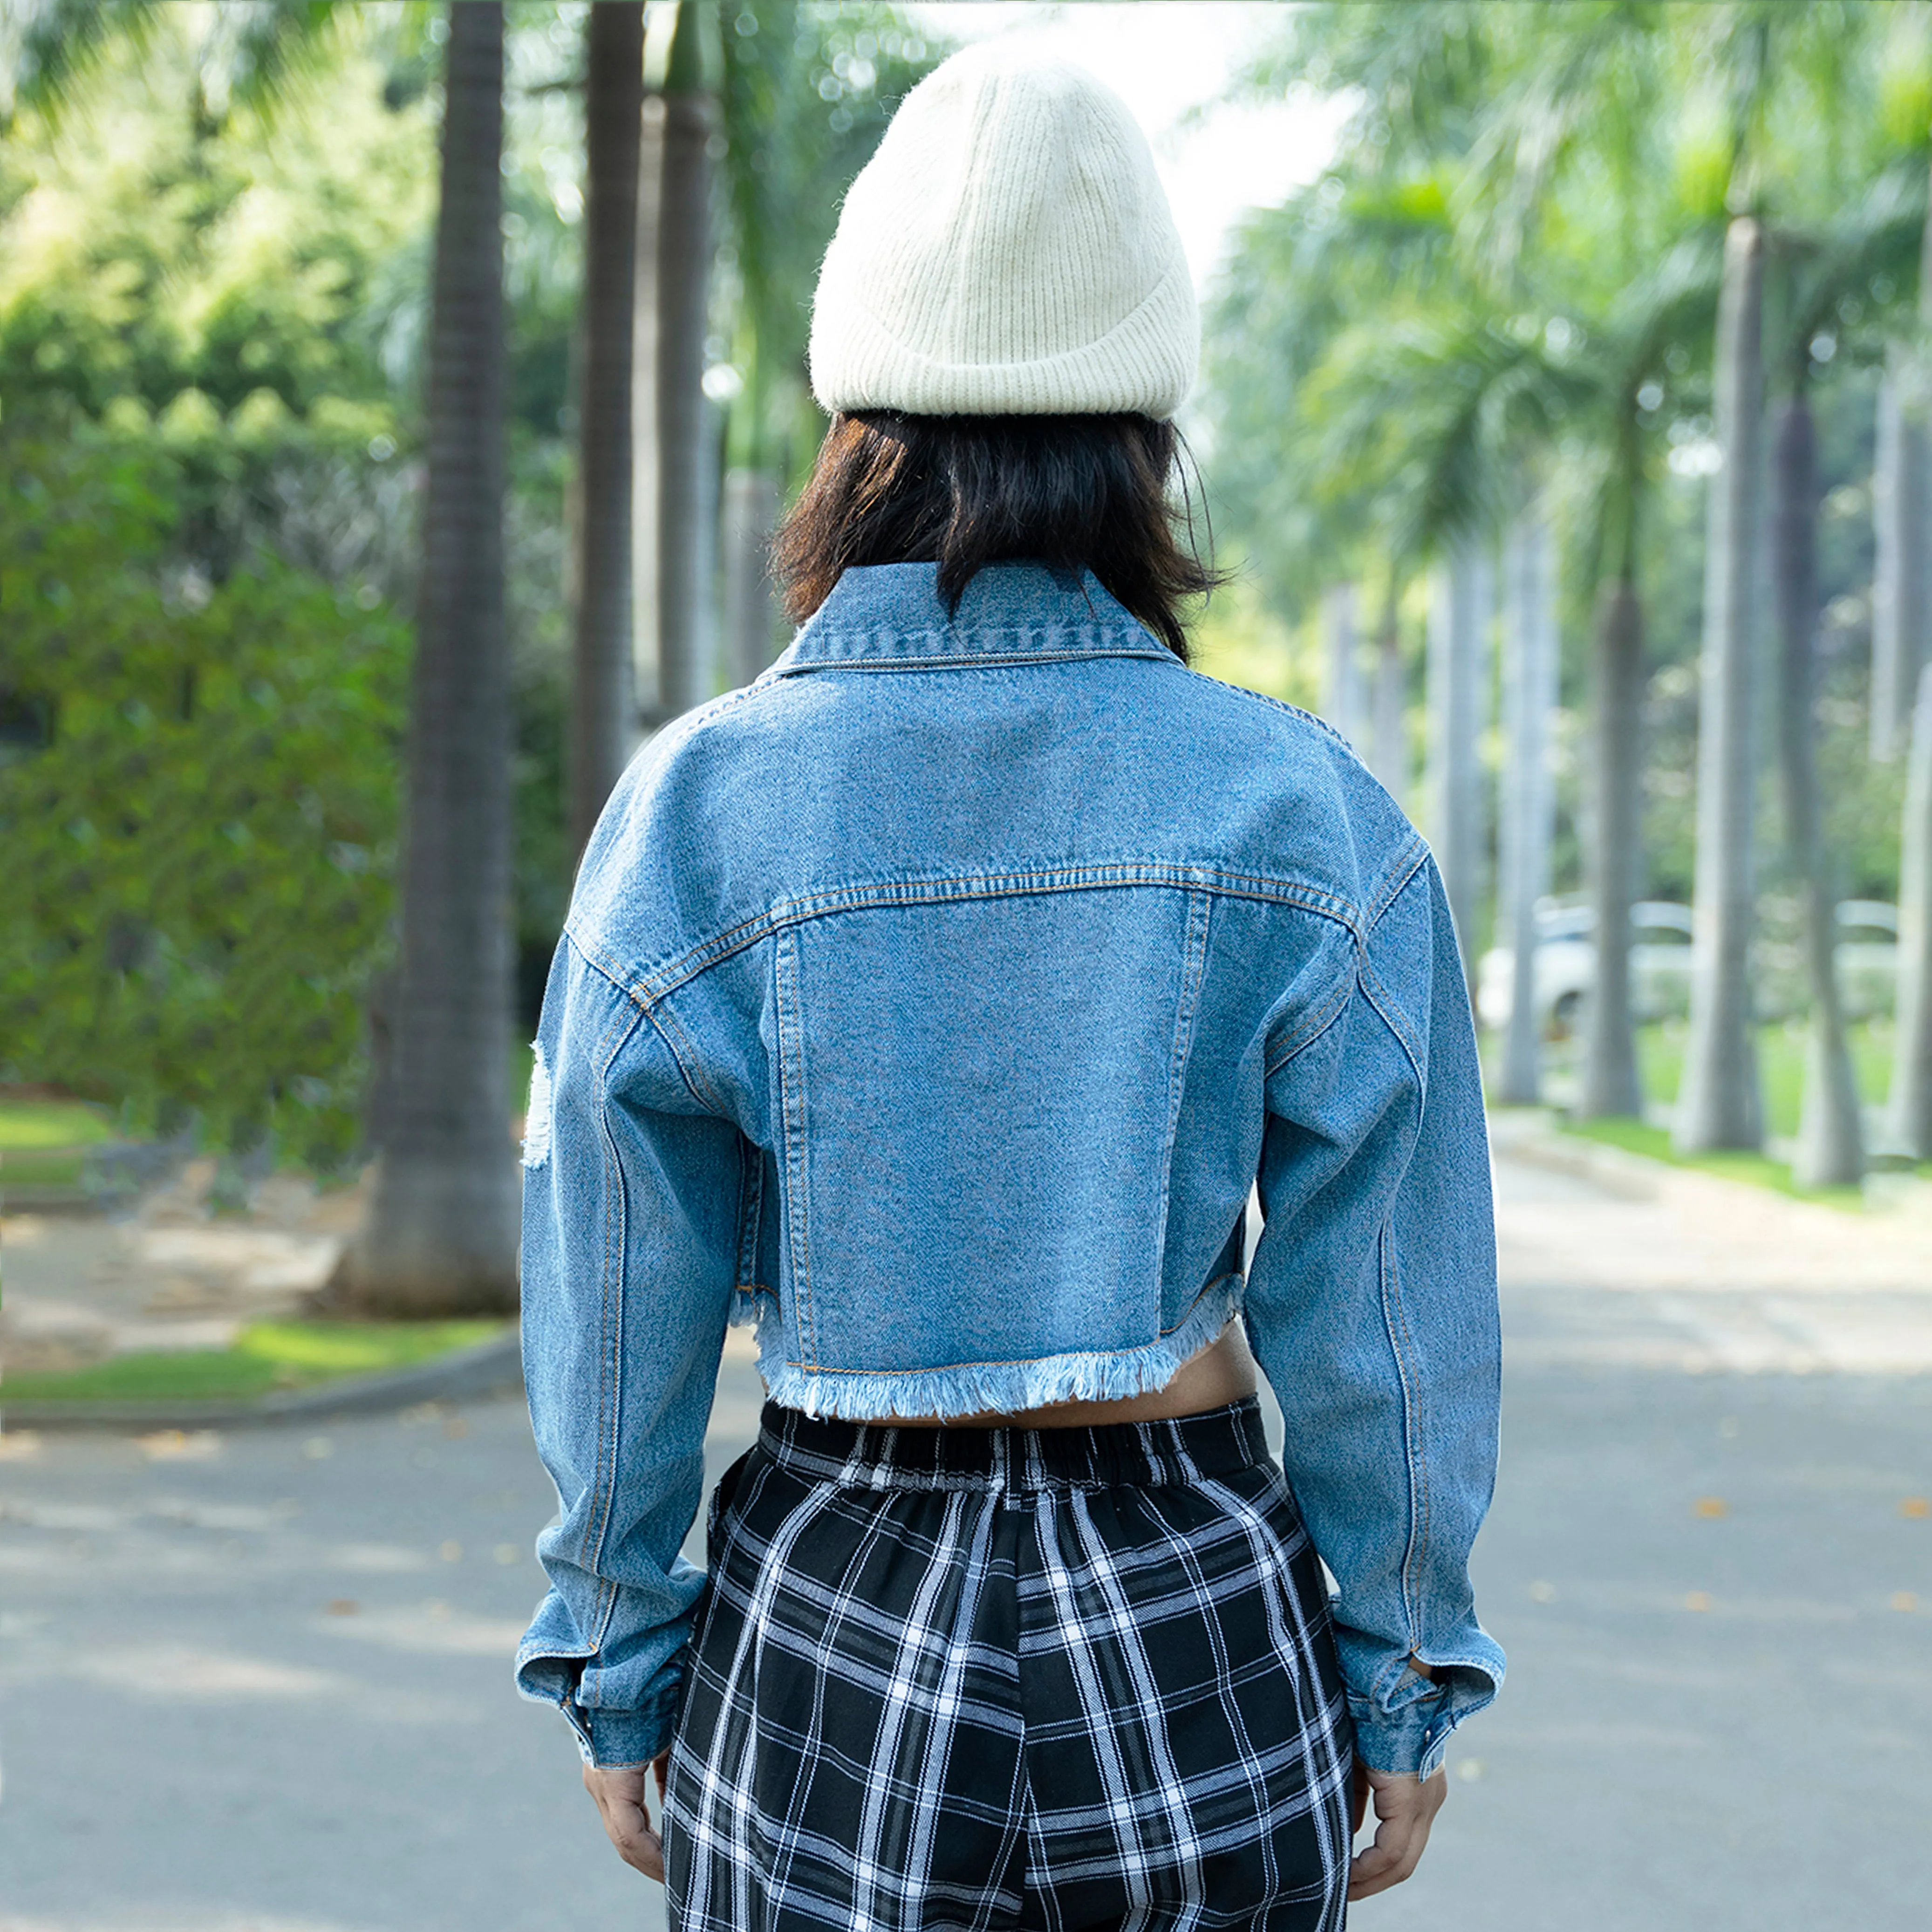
259 1684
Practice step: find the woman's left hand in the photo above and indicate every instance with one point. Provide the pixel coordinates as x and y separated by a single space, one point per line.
627 1819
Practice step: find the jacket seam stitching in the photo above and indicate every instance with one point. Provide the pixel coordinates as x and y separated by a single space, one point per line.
647 988
1408 862
1315 1025
791 1109
1200 913
604 1476
666 1024
970 659
1395 1324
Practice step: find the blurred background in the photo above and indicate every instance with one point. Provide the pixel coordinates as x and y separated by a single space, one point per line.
395 403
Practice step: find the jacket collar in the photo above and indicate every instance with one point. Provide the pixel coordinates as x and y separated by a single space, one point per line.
889 617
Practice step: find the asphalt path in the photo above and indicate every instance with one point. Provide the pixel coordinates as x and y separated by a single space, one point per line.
259 1681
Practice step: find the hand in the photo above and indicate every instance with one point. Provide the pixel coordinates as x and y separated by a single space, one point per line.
627 1821
1405 1809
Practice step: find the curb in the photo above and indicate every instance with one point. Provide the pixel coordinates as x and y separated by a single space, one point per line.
491 1368
1627 1176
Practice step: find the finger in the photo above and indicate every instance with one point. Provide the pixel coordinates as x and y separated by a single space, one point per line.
1404 1812
628 1826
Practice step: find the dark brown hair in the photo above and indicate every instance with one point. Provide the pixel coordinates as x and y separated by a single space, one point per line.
1074 492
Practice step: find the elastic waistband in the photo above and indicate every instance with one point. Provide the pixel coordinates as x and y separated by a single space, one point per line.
880 1456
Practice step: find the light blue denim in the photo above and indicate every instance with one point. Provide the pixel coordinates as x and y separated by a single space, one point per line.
934 1002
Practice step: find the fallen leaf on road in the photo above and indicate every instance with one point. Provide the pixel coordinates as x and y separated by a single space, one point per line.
1912 1506
1711 1506
342 1607
1698 1600
1904 1600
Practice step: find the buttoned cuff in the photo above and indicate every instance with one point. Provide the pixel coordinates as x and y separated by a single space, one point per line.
1405 1733
621 1740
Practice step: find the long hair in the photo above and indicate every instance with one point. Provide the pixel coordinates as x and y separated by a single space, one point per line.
1074 492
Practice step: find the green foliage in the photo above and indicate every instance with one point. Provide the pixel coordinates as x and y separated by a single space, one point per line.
197 814
806 93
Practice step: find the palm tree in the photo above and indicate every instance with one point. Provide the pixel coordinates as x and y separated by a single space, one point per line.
1909 1105
441 1237
1902 561
686 476
600 703
1529 698
1344 700
1719 1105
1458 685
1876 235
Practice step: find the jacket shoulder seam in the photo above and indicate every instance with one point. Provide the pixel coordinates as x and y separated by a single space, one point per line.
647 987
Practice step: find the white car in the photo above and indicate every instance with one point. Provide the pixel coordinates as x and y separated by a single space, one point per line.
1566 965
1867 957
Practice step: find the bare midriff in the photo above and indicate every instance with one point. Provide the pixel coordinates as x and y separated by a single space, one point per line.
1222 1372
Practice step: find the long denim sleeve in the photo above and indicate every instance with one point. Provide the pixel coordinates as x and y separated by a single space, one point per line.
630 1197
1372 1307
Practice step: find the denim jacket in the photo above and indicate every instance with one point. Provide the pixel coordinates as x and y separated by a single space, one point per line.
933 1003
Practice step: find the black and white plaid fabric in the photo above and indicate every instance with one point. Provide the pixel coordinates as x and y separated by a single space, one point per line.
989 1678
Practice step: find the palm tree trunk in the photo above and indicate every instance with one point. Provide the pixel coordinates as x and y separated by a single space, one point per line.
1388 743
1902 556
647 455
1720 1105
600 702
1831 1143
1458 621
1611 1085
1342 701
751 613
1529 694
687 474
1909 1105
441 1235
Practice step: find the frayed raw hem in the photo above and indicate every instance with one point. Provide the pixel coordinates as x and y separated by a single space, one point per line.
972 1388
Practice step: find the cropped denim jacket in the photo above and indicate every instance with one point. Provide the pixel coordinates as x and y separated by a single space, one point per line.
933 1003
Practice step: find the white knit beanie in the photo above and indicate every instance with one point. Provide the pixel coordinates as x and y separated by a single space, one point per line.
1008 250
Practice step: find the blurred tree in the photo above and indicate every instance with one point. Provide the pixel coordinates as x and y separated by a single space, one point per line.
602 710
1719 1105
441 1237
198 808
681 455
806 94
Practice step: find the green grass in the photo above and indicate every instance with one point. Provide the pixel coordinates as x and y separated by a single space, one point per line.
37 1125
1760 1170
44 1143
1781 1056
266 1356
1781 1049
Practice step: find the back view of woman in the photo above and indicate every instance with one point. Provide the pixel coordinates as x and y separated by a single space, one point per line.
934 1003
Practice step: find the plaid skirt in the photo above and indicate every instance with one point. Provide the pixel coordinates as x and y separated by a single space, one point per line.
979 1678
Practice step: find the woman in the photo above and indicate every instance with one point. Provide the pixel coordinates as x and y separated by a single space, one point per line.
934 1003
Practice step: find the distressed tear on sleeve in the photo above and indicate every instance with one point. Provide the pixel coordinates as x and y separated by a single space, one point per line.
536 1117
